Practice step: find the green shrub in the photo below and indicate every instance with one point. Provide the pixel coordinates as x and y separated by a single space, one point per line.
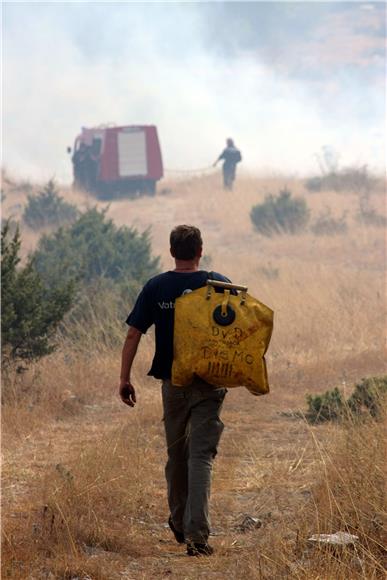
30 311
367 215
356 179
367 399
281 214
326 407
327 225
314 184
12 226
369 396
48 208
94 248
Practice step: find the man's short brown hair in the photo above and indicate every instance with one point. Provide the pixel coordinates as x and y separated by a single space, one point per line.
186 242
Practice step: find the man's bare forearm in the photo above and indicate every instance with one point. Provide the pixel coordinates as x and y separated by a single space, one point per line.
129 352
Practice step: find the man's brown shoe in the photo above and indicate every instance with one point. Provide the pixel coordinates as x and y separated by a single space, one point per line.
196 549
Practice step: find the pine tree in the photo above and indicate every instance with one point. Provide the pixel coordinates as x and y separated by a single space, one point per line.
30 311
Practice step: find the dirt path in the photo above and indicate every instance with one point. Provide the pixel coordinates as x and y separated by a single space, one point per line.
265 468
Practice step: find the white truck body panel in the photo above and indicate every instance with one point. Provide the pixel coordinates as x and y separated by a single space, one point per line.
132 158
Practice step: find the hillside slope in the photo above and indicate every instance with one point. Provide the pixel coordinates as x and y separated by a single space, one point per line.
83 482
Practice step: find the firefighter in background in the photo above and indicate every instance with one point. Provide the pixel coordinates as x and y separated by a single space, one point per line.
86 166
231 156
92 165
79 163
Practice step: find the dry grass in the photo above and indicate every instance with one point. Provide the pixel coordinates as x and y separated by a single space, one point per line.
83 482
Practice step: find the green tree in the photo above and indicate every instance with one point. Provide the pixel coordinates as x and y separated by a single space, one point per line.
30 311
48 208
94 249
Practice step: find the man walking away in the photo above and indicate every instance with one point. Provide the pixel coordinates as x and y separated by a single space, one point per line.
191 414
231 156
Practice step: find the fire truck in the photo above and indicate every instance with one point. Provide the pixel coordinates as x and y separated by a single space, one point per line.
114 161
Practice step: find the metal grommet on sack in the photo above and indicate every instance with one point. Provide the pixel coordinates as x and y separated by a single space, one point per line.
224 318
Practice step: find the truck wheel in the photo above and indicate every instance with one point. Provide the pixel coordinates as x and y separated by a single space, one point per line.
149 187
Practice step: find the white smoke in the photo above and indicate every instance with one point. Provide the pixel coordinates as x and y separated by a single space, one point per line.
84 65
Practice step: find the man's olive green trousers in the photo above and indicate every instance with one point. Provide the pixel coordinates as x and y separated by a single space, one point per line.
193 429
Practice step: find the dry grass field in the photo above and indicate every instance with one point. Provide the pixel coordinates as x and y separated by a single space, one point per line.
83 482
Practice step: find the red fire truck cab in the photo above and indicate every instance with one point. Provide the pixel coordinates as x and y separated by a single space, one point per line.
117 160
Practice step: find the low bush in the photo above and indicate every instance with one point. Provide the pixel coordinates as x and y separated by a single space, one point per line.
356 179
48 208
325 407
280 214
327 225
366 400
368 396
367 215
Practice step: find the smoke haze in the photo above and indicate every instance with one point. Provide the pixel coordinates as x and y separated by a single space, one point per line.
282 79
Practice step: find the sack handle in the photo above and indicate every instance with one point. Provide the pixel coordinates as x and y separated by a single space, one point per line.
226 286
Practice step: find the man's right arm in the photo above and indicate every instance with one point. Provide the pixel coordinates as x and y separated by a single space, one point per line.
221 156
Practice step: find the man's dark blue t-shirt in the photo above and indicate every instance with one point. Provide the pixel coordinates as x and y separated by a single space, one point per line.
155 305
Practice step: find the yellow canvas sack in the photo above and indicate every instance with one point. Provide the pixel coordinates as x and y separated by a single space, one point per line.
221 338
